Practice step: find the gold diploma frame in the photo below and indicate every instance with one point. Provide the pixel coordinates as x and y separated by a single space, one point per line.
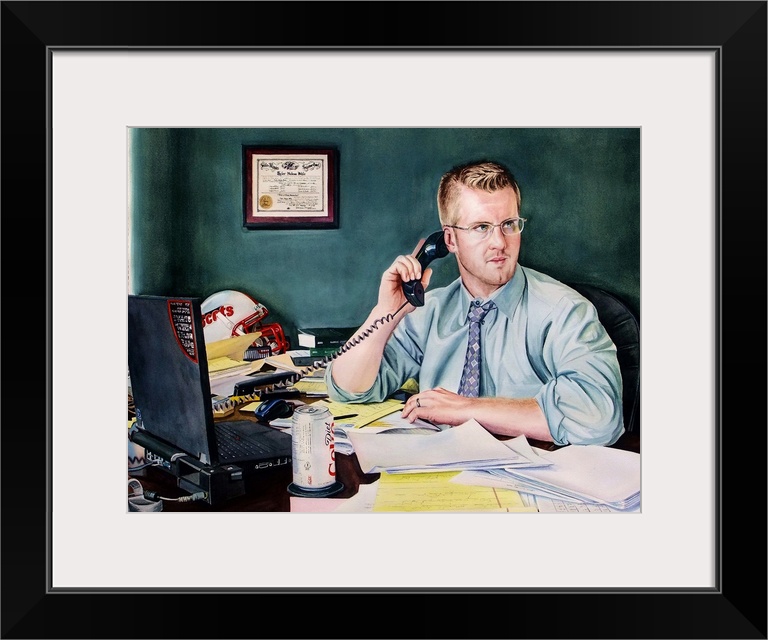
290 188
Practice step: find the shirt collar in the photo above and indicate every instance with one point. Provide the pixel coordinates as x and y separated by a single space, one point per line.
506 298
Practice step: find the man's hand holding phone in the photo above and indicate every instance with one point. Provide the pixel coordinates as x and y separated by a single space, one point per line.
404 269
402 288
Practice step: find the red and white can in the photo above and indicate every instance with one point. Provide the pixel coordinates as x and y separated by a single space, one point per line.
314 458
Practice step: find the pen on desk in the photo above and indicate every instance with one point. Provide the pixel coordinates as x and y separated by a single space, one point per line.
346 415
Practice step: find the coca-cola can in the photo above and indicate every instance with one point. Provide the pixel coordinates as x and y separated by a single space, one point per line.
314 457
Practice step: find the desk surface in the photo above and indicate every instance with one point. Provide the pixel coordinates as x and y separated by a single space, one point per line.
267 491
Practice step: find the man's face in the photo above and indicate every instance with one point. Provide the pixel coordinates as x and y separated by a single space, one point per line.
485 264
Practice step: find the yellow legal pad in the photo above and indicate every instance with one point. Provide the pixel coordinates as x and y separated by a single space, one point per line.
435 492
310 386
363 414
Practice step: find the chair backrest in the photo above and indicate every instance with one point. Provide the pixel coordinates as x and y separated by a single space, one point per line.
623 326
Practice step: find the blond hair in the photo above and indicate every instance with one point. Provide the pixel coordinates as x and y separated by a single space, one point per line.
483 175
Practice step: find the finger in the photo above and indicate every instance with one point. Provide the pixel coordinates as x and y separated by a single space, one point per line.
411 405
413 414
401 268
412 268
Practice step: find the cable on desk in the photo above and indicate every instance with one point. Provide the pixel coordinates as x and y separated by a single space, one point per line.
136 499
195 497
140 500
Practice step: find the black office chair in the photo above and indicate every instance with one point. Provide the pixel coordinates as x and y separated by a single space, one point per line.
624 329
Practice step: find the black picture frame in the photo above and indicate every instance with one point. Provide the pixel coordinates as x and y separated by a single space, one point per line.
290 187
736 608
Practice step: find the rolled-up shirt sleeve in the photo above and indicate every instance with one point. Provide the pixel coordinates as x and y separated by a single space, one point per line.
582 400
401 360
568 363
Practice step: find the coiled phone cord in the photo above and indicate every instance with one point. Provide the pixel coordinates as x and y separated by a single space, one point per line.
319 364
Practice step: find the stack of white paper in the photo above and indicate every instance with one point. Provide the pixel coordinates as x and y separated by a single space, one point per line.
581 473
385 423
466 446
341 442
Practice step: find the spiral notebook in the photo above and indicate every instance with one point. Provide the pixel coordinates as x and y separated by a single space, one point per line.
171 390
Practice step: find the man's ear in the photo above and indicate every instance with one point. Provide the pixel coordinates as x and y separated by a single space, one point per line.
450 239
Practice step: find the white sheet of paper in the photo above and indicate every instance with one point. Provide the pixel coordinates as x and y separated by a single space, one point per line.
465 446
548 505
524 448
589 471
361 502
396 421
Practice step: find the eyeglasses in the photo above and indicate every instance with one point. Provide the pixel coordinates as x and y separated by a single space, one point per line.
480 230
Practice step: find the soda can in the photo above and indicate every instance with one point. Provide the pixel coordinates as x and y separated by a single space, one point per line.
312 448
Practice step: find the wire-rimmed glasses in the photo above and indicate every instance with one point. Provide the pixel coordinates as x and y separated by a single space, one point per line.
480 230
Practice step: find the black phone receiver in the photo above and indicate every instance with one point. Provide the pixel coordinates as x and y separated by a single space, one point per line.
433 247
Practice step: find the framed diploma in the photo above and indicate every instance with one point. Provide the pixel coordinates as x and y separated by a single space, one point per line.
290 188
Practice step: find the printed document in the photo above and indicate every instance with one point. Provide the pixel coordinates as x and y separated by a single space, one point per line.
465 446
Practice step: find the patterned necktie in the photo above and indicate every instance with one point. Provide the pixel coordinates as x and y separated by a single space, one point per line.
470 377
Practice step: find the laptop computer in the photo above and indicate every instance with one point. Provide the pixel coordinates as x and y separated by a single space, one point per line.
170 385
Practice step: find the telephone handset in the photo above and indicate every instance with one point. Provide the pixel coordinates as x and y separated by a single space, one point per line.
433 247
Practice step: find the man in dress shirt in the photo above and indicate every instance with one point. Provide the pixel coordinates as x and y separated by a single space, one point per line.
548 369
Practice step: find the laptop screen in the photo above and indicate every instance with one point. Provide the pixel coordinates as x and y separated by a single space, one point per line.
168 369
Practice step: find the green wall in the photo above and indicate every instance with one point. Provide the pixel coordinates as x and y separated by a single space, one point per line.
581 195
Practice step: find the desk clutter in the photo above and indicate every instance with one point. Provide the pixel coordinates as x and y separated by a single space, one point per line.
421 466
465 468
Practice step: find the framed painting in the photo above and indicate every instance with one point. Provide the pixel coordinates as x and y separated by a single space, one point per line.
65 553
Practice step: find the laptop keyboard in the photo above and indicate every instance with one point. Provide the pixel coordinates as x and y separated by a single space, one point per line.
233 445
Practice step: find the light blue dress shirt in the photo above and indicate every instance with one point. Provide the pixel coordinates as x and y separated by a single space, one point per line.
543 341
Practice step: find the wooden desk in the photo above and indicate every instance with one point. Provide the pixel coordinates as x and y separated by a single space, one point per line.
267 491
